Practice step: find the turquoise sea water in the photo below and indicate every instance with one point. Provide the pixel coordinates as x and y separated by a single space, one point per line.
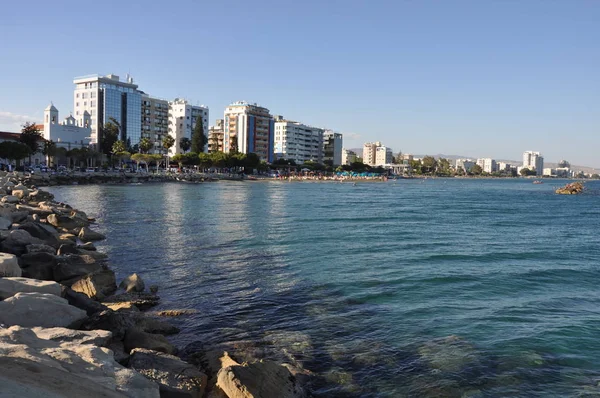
443 287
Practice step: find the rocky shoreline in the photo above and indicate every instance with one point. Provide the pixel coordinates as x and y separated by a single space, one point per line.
68 330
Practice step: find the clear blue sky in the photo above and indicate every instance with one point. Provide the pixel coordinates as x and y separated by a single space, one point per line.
478 78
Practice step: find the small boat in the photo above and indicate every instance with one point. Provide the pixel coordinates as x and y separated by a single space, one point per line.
538 182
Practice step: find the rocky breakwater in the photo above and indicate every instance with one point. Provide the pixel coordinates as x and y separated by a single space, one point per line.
572 188
68 330
77 178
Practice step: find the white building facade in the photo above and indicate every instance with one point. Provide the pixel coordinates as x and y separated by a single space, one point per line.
155 121
69 133
298 142
488 165
348 156
533 161
464 164
383 156
183 117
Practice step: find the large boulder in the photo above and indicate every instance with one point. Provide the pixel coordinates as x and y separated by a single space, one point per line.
116 322
11 286
143 301
37 230
38 265
5 223
88 235
66 221
17 240
172 374
155 326
132 283
34 210
69 248
260 379
99 338
37 248
136 338
97 285
10 199
39 309
82 301
47 368
73 266
9 266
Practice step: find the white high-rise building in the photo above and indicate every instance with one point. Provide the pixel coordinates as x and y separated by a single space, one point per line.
533 161
298 142
369 152
383 156
488 165
155 121
106 98
183 117
465 164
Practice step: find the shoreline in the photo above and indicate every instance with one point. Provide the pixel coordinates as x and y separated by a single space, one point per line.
61 308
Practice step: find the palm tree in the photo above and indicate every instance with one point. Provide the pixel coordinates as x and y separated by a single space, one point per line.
49 150
167 143
145 144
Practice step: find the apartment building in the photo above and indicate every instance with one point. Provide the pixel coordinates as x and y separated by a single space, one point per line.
249 128
488 165
332 147
105 98
155 121
369 152
183 117
533 161
348 156
383 156
215 137
298 142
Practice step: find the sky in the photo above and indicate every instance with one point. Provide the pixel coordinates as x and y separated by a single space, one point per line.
476 78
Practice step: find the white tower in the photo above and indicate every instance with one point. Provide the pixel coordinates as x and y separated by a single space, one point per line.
50 118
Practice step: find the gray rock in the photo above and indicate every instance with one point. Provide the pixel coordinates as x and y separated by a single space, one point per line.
143 301
82 301
10 199
66 221
99 338
39 309
73 266
40 248
9 265
17 240
13 285
38 265
172 374
96 285
89 246
49 369
155 326
88 235
38 231
5 223
136 338
67 249
34 210
132 283
116 322
259 379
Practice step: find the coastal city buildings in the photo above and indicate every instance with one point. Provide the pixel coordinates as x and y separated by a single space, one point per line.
105 98
488 165
377 154
348 156
249 128
183 117
383 156
332 148
298 142
465 164
155 121
533 161
69 133
215 137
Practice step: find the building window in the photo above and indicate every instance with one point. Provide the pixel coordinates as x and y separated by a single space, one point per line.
77 104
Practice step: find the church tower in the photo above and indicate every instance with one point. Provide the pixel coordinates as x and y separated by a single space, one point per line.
50 119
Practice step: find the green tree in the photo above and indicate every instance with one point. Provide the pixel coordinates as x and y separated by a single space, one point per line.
178 158
13 150
185 144
31 137
109 135
476 170
145 144
167 142
429 164
49 150
398 158
444 167
527 172
199 139
120 150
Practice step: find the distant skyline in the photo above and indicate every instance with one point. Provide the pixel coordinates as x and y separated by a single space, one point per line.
479 78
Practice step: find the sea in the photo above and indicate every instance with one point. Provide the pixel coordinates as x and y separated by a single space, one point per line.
406 288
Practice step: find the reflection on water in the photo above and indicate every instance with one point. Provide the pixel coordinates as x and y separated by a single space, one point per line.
364 284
